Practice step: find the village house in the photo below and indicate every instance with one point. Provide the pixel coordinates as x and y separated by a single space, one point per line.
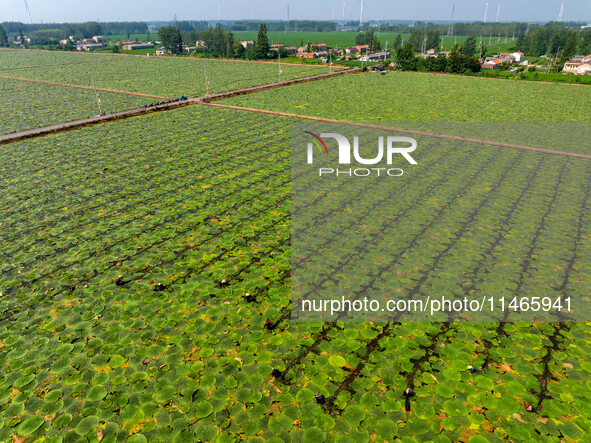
246 44
88 44
160 51
130 46
578 67
490 65
291 49
376 56
307 55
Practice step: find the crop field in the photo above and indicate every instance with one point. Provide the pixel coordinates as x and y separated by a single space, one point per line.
344 39
169 77
412 97
170 354
146 264
16 59
31 105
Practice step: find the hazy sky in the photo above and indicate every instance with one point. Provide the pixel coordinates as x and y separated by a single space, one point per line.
466 10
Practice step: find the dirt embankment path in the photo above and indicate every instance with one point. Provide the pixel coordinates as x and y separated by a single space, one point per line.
139 94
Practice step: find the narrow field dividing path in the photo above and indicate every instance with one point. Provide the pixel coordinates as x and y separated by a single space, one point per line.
139 94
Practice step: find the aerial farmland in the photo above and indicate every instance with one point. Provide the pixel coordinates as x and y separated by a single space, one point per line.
148 258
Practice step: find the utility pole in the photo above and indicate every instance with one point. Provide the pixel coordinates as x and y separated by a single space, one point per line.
279 54
287 23
206 80
98 100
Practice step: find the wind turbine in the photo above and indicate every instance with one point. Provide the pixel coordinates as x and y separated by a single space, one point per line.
561 12
361 13
485 11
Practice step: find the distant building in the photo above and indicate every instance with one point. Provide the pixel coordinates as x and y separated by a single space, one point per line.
98 39
291 49
490 65
200 44
188 49
577 67
160 51
86 45
307 55
321 46
276 46
376 56
247 44
137 45
518 56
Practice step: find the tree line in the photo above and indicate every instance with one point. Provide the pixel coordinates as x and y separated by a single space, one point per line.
555 40
475 28
292 25
58 31
217 42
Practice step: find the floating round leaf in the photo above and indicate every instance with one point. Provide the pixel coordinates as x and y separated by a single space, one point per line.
354 415
203 409
87 424
96 393
29 426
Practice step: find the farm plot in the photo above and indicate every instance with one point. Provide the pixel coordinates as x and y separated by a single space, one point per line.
169 77
414 97
170 352
30 105
17 59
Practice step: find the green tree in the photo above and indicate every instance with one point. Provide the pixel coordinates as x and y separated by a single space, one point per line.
69 46
586 41
170 36
405 57
3 38
239 50
416 40
469 46
262 46
368 38
398 42
520 42
571 46
433 40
